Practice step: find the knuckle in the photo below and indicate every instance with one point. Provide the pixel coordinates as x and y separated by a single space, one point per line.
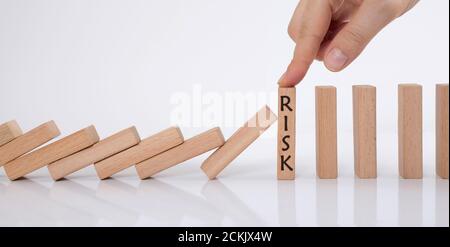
354 36
391 8
292 32
306 34
335 5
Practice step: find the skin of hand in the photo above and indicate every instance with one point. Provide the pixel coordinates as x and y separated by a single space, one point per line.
336 32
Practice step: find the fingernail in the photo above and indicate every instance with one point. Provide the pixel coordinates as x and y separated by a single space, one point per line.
336 59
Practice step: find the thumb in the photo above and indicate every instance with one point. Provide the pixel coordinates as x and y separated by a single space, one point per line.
351 40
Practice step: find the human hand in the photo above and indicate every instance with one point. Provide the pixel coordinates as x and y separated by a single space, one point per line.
336 32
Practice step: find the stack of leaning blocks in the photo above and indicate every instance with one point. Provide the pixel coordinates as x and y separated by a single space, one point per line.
21 154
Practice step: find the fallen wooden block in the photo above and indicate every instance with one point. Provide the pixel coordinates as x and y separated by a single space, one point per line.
146 149
326 132
191 148
28 141
410 131
100 151
51 153
286 133
442 115
365 131
238 142
9 131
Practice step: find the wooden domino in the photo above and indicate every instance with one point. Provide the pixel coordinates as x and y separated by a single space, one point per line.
51 153
442 115
28 141
326 132
238 142
286 133
410 131
9 131
146 149
364 131
102 150
191 148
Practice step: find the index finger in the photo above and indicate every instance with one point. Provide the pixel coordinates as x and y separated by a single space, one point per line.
308 28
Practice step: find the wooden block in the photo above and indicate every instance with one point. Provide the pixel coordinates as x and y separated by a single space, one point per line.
238 142
442 161
410 131
51 153
28 141
146 149
9 131
100 151
365 131
286 133
326 132
191 148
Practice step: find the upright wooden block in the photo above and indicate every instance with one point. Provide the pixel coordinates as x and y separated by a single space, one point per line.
286 133
146 149
442 160
191 148
28 141
9 131
100 151
238 142
410 131
326 132
51 153
365 131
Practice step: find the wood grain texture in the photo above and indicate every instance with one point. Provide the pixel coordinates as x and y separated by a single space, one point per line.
100 151
365 131
9 131
28 141
410 131
442 134
238 142
146 149
286 133
191 148
51 153
326 132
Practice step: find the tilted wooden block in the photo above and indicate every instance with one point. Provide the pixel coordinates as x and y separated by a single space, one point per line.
191 148
365 131
442 115
410 131
9 131
51 153
100 151
238 142
326 132
28 141
146 149
286 133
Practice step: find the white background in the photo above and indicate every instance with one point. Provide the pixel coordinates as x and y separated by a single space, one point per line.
116 63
